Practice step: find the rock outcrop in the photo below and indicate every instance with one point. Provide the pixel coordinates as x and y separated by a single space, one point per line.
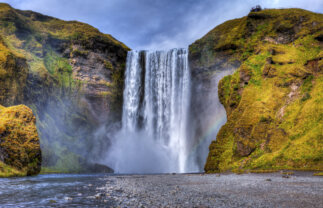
20 153
274 98
70 74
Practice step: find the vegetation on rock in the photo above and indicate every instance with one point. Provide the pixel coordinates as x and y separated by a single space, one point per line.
69 73
20 153
274 98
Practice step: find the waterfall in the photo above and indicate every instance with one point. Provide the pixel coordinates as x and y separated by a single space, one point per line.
155 113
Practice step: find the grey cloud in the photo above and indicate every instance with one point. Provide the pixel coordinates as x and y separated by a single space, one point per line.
155 24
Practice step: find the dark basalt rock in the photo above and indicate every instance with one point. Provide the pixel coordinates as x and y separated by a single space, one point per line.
97 168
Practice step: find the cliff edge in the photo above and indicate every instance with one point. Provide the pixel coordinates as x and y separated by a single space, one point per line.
71 75
274 99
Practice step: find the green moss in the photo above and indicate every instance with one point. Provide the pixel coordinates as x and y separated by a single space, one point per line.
108 65
240 38
318 174
275 118
82 53
69 162
38 54
19 142
9 171
56 64
117 89
50 170
263 171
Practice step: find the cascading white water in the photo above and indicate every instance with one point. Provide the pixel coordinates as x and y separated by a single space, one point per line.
156 102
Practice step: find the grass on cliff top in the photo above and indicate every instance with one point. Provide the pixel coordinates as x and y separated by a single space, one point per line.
43 26
239 38
24 34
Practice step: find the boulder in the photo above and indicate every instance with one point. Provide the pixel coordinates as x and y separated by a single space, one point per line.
20 152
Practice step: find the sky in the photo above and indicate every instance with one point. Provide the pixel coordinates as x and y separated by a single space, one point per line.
155 24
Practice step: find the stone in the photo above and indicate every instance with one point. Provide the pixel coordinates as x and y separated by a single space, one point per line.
19 141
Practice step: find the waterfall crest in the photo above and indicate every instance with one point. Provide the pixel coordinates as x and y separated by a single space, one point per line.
155 113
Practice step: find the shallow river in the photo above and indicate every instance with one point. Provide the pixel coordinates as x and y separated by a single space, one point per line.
167 190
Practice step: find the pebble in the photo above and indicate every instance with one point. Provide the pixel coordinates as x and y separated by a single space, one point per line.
68 198
98 195
192 190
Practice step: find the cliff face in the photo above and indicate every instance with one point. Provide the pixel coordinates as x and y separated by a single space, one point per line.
274 98
20 153
70 74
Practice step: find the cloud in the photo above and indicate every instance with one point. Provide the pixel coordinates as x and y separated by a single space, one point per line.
155 24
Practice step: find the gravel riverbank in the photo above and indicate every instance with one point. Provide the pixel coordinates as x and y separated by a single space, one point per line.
230 190
164 190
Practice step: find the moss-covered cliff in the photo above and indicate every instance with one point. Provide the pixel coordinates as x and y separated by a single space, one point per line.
20 153
70 74
274 100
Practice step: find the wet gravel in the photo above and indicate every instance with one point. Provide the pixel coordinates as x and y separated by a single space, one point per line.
231 190
164 190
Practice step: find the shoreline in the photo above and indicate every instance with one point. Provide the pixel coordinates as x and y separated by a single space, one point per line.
301 189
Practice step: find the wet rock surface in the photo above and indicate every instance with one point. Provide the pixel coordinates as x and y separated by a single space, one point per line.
167 190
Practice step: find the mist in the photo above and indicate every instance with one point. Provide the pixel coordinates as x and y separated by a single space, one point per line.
137 152
153 136
143 24
207 116
166 127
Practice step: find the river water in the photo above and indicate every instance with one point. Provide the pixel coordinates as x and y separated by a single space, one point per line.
56 190
163 190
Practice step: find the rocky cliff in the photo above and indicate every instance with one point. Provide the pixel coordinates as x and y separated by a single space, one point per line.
274 98
20 153
70 74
